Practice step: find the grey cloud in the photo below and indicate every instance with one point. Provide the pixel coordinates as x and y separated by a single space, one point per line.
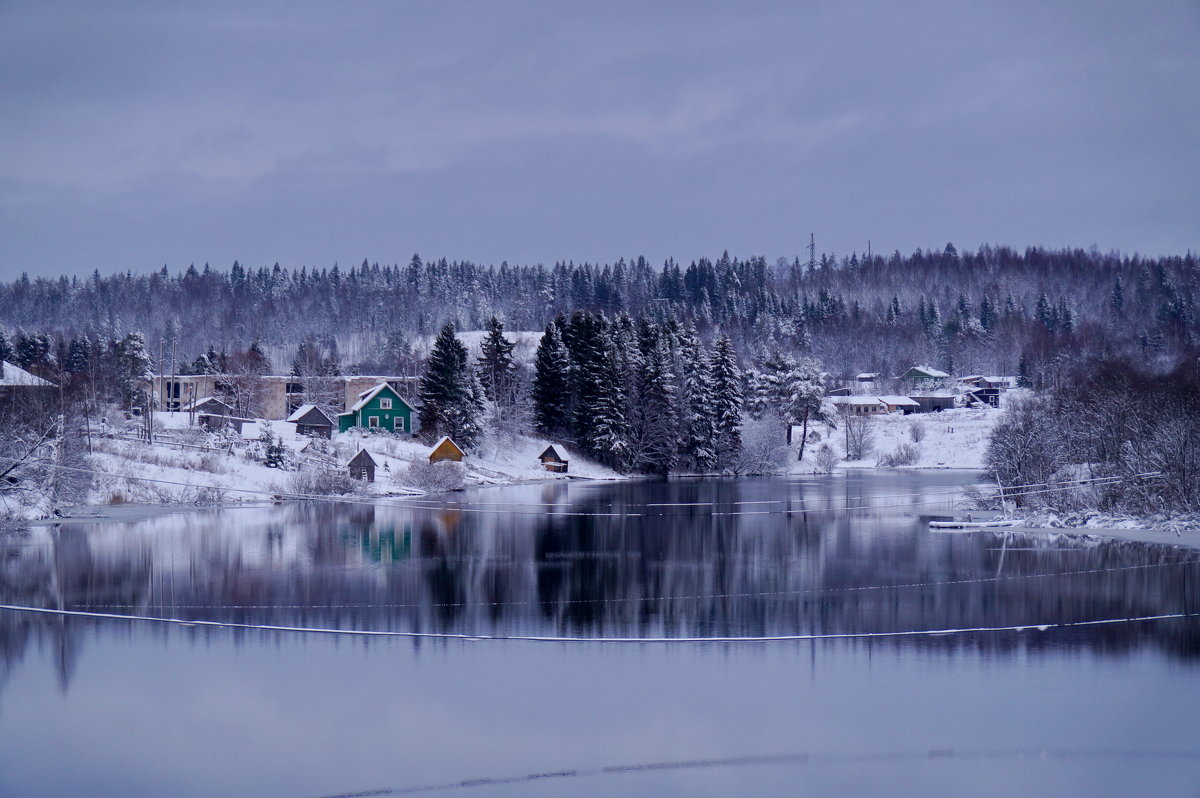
138 134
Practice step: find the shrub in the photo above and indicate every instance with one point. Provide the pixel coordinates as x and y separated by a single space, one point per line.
916 430
433 477
827 459
904 454
320 482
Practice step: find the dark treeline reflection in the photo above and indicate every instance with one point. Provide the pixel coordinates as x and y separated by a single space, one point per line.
650 559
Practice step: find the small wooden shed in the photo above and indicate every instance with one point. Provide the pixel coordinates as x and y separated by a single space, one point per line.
312 420
554 459
446 449
362 466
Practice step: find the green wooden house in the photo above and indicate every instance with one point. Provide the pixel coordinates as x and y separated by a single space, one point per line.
378 408
927 373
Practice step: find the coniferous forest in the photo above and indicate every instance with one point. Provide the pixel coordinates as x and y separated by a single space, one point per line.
995 310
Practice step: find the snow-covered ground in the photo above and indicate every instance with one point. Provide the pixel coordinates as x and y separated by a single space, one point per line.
952 439
217 470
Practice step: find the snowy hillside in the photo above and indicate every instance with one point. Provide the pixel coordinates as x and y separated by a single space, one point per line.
951 439
133 472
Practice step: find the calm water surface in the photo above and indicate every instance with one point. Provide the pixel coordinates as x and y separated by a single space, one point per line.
118 707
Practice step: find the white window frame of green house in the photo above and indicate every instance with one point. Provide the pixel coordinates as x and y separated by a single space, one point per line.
385 403
398 424
372 421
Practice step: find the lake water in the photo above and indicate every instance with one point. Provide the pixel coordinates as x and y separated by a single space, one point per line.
120 707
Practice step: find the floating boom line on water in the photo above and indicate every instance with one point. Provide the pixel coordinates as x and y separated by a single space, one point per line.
473 638
797 758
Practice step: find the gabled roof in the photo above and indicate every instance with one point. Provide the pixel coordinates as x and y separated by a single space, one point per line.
444 441
304 410
867 375
554 451
362 458
194 404
367 396
929 371
12 376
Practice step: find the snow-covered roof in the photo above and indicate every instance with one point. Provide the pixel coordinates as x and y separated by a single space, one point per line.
368 395
300 412
193 405
304 410
445 439
13 376
855 400
866 375
900 401
971 378
553 449
930 371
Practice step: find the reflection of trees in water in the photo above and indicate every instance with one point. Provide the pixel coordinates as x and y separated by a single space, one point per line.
59 569
687 573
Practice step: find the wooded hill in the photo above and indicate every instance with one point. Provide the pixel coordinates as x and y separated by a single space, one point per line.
995 310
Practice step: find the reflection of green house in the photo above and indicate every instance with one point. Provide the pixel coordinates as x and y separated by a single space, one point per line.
379 408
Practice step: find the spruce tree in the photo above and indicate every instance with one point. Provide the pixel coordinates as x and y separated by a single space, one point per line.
726 403
608 433
656 431
552 384
497 368
135 369
450 405
698 423
6 347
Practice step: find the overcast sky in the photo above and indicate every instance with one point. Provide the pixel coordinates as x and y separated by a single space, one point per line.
133 135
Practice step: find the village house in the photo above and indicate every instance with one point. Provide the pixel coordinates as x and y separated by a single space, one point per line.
859 405
924 373
312 421
902 404
270 396
983 396
381 407
17 382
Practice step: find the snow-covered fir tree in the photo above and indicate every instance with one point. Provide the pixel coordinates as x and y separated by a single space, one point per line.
450 394
655 438
496 366
696 405
726 403
551 388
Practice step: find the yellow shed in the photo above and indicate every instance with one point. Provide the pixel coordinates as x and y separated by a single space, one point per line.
446 449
